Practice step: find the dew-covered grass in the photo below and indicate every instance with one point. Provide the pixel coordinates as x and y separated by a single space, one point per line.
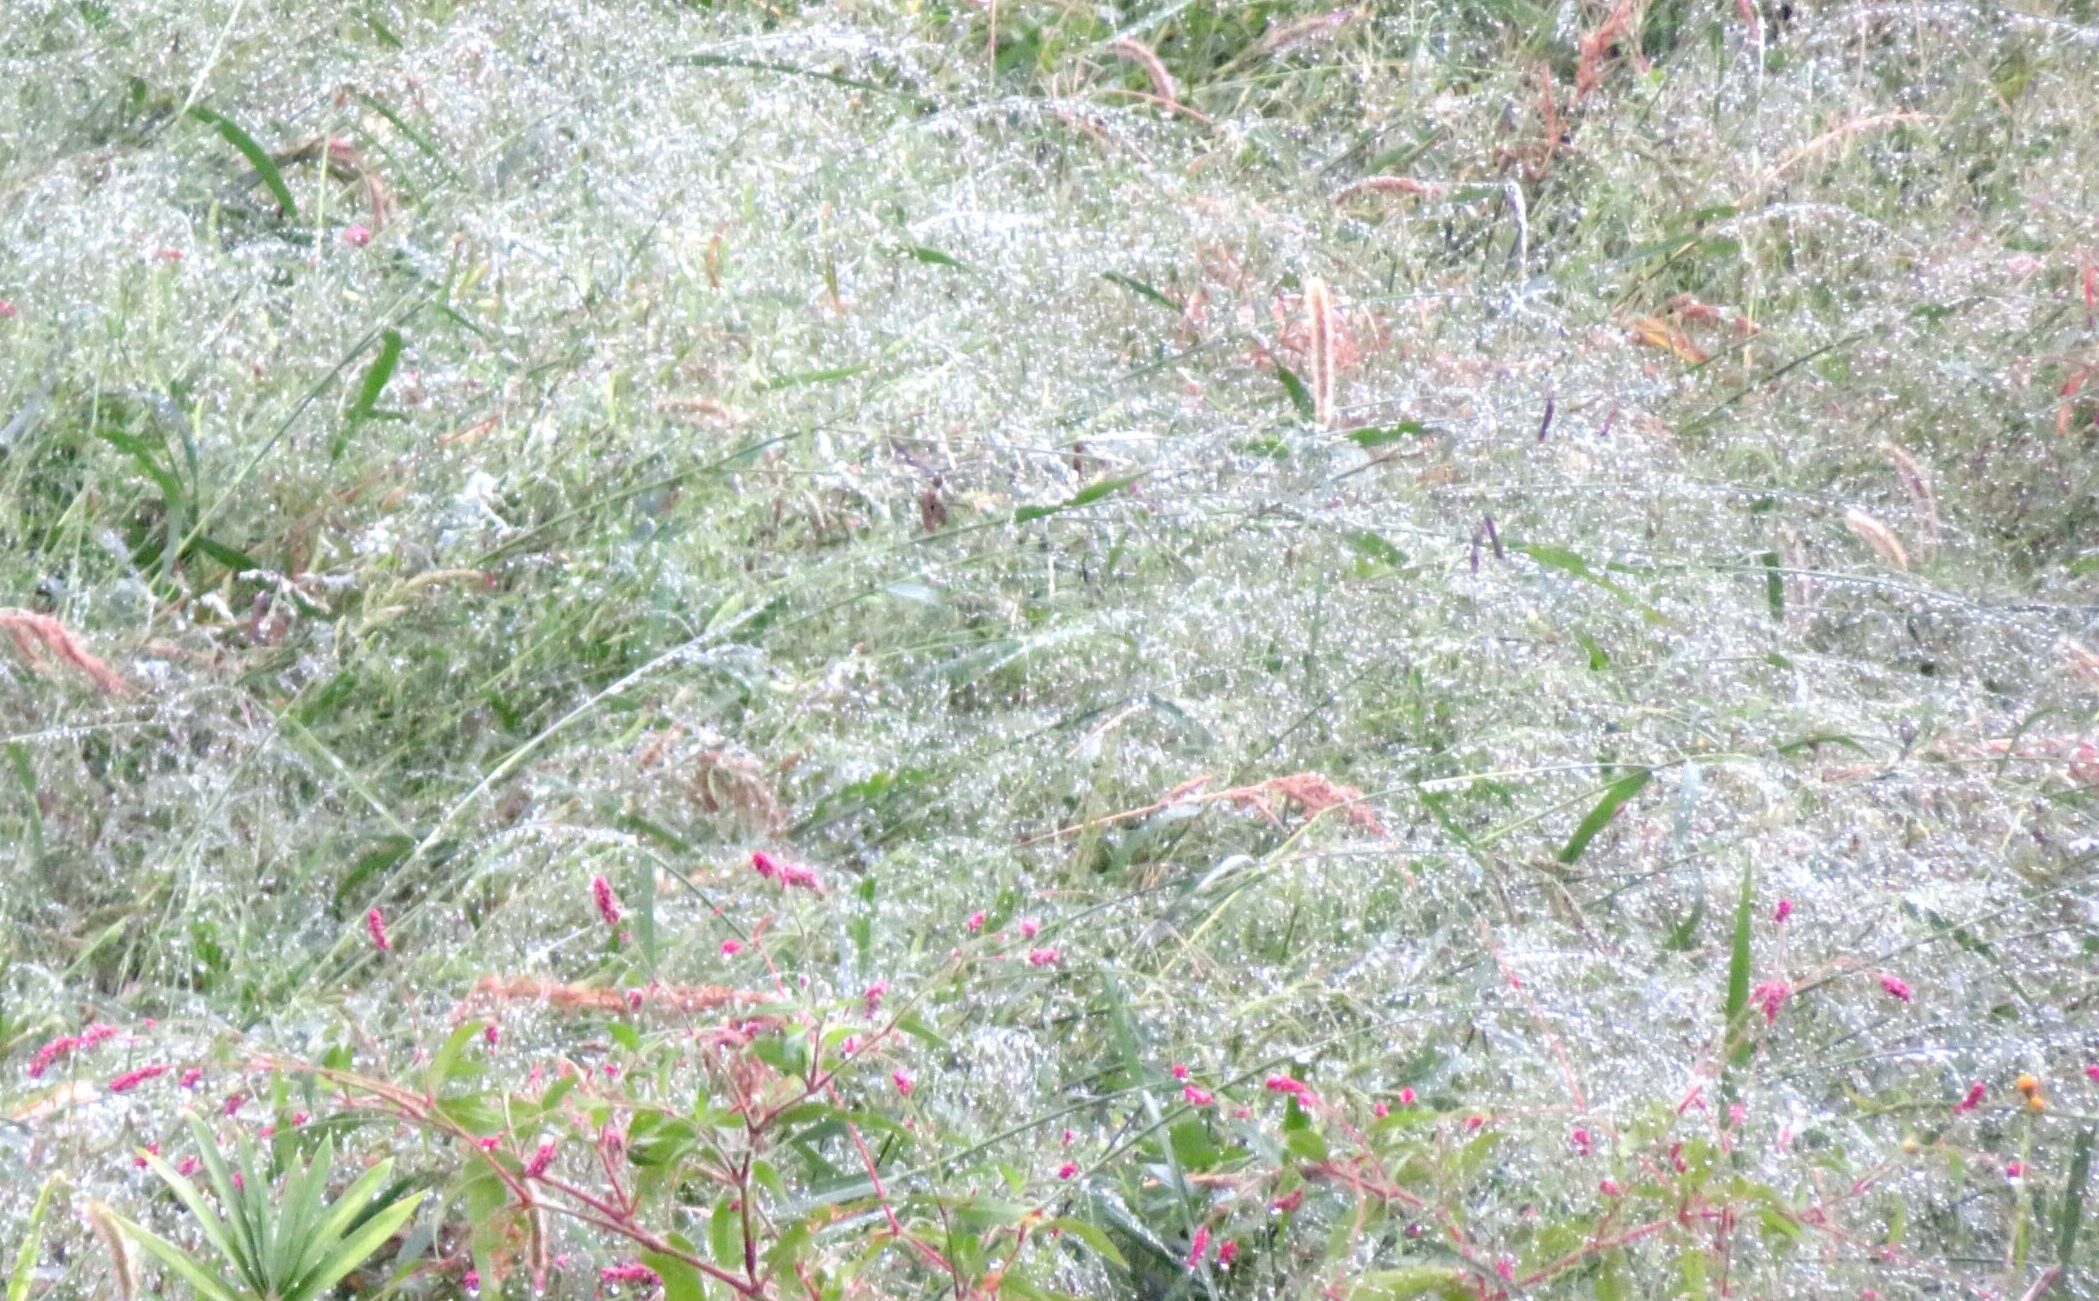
1530 568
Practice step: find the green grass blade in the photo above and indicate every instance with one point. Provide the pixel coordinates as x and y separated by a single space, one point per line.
301 1207
376 377
1614 797
1085 496
258 157
206 1284
1740 955
32 1238
236 1241
2073 1201
353 1250
1300 396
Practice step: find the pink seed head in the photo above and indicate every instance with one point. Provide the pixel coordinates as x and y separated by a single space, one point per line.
187 1166
1783 913
1608 1187
192 1077
1972 1098
872 999
471 1280
601 895
1770 996
1197 1097
541 1159
903 1082
1581 1140
1067 1170
1179 1070
1029 928
1043 957
1381 1110
1895 988
730 948
357 236
491 1034
375 923
1227 1251
1198 1246
1406 1096
762 863
976 921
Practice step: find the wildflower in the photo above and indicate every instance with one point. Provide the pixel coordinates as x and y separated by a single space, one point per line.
140 1159
1067 1170
357 236
2027 1085
1198 1246
976 921
1179 1071
1406 1097
471 1280
1227 1251
1473 1123
1068 1137
2014 1169
1582 1141
1381 1111
299 1118
763 864
491 1034
637 1273
232 1104
1043 957
1972 1099
1289 1201
849 1045
1770 996
903 1081
1029 928
800 878
730 948
1196 1097
1285 1084
541 1159
1506 1268
50 1053
375 922
191 1077
1895 988
1608 1187
96 1033
2092 1073
187 1166
873 997
7 310
488 1144
601 894
1783 913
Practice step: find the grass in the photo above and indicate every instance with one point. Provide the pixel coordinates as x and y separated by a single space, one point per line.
1392 538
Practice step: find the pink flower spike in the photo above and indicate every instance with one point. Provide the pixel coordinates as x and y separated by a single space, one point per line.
1043 957
1973 1098
1406 1096
903 1081
1067 1170
1783 913
641 1274
976 921
1029 928
491 1034
131 1079
1198 1246
140 1159
1196 1097
601 894
800 878
1285 1084
357 236
375 922
232 1104
873 997
1608 1187
730 948
187 1166
471 1280
1381 1111
541 1159
51 1052
1179 1071
1895 988
1770 996
1227 1252
1582 1141
191 1077
96 1033
762 863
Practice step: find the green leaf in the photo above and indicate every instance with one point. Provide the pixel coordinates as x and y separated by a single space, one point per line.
1415 1280
237 1241
2073 1199
449 1065
682 1281
1372 547
1774 587
1090 1234
1141 289
1085 496
725 1235
1740 954
934 257
1574 566
300 1208
258 157
354 1249
375 380
1614 797
32 1238
206 1284
1300 396
654 1139
1379 436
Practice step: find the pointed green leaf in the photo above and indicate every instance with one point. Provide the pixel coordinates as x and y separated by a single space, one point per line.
238 1241
1090 1234
1614 796
1141 289
354 1249
300 1207
376 377
1300 396
681 1281
206 1284
1085 496
258 157
32 1238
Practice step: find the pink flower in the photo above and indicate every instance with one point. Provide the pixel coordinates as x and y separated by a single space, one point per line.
488 1144
1029 928
140 1159
1198 1246
96 1033
471 1280
1473 1123
641 1274
1227 1251
1285 1084
7 310
976 921
191 1077
299 1118
1043 957
1289 1201
2014 1169
1608 1187
1067 1170
730 948
375 922
1196 1097
1894 988
762 863
357 236
1406 1097
51 1052
903 1081
187 1166
1973 1098
2092 1073
1069 1137
541 1159
601 894
1783 913
800 878
1381 1111
491 1034
1770 996
1179 1071
232 1104
849 1045
1582 1141
873 997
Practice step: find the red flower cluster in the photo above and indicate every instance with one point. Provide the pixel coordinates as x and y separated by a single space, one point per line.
791 876
64 1045
130 1080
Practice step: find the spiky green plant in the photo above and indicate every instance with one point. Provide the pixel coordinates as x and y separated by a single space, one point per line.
274 1245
